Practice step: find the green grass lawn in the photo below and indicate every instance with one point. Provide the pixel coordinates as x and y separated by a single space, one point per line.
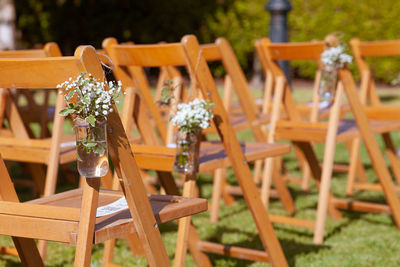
359 239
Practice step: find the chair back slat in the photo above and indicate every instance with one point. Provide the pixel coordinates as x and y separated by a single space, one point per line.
210 52
362 50
29 53
46 72
297 51
49 50
380 48
148 55
29 73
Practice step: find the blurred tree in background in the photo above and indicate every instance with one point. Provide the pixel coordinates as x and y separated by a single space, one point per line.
74 22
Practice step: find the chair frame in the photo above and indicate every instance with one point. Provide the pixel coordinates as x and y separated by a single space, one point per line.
47 220
370 99
222 51
326 201
188 53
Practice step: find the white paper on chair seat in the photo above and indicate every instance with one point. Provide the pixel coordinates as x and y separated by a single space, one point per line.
113 207
321 105
68 144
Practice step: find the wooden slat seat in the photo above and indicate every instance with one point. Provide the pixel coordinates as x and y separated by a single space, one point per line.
212 154
165 208
239 121
37 151
316 132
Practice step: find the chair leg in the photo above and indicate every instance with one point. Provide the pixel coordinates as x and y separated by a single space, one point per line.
184 224
306 178
9 251
108 253
90 200
351 177
28 252
42 247
38 175
327 167
305 168
266 181
135 245
226 196
393 159
219 175
258 164
283 191
200 258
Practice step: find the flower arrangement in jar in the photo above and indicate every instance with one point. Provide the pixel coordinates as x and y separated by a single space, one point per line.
89 102
332 59
190 119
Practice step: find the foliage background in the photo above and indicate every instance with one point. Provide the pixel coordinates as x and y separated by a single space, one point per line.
74 22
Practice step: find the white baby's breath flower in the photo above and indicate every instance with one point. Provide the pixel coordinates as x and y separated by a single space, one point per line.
335 57
90 97
193 116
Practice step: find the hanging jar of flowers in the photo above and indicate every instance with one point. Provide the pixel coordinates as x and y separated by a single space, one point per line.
190 119
332 59
89 102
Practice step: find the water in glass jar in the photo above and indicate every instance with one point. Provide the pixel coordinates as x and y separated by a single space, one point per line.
92 164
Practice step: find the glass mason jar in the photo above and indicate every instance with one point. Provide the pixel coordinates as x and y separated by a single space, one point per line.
327 85
91 148
185 152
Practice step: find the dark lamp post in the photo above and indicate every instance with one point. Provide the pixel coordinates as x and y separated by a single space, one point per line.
278 30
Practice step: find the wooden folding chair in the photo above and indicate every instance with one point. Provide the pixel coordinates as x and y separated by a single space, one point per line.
31 111
249 118
312 111
70 217
128 60
335 130
370 98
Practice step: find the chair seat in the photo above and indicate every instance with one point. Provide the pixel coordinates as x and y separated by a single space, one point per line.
36 150
165 208
323 110
316 132
239 121
235 107
212 155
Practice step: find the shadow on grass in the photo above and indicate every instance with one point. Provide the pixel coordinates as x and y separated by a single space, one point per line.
388 98
291 248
